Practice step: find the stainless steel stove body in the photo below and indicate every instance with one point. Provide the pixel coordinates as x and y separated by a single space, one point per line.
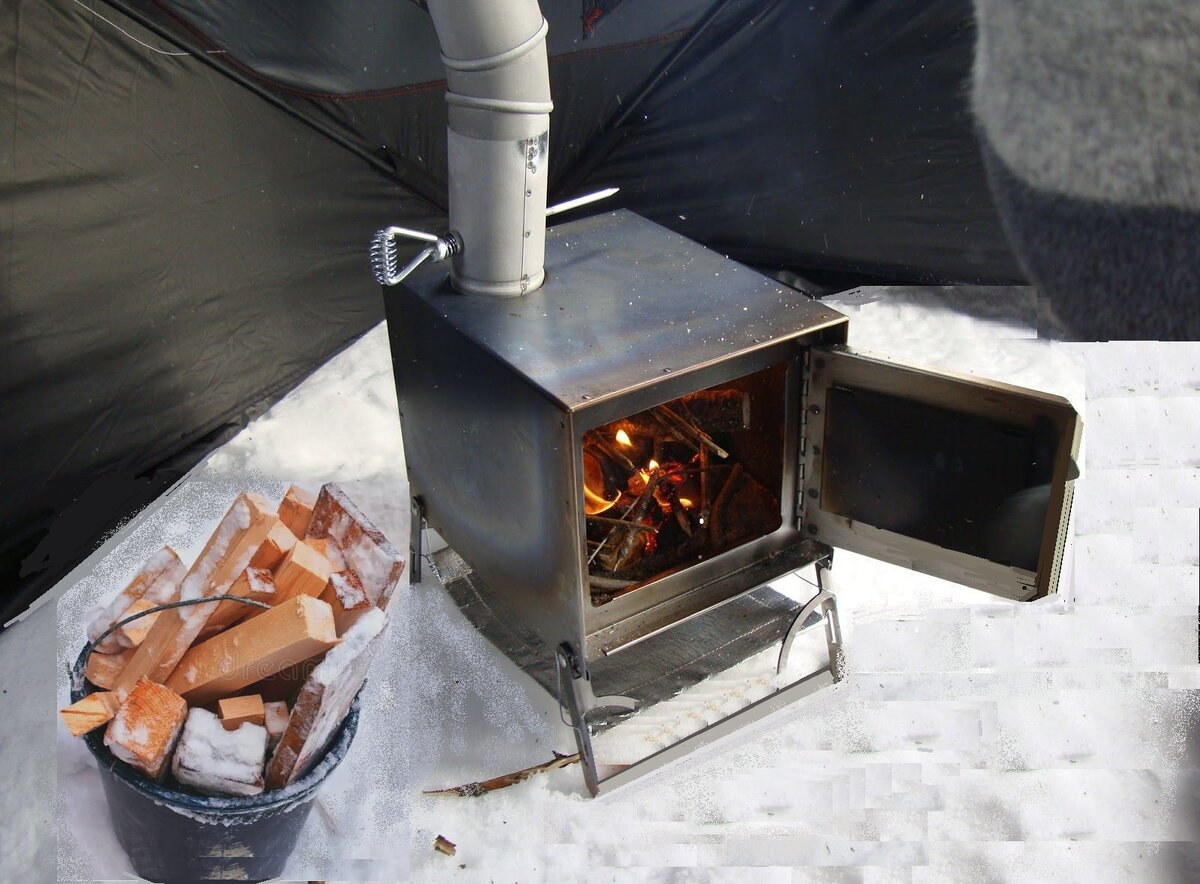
958 477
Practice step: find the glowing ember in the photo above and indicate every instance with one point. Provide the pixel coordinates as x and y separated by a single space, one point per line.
653 465
685 503
623 438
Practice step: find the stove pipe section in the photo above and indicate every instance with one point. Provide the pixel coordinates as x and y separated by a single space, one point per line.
498 99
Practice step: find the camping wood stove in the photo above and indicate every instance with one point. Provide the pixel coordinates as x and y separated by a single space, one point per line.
623 459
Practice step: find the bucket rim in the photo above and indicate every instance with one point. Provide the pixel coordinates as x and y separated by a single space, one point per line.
223 805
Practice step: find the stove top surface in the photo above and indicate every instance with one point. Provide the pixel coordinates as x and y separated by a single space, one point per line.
626 301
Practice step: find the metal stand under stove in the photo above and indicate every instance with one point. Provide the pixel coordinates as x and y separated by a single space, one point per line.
657 668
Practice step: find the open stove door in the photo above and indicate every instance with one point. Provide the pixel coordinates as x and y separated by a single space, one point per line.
963 478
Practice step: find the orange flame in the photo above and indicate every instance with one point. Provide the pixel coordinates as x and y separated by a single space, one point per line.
623 438
685 503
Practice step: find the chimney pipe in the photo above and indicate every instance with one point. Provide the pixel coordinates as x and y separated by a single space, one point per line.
498 93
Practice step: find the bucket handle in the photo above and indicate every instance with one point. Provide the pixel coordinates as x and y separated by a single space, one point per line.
76 672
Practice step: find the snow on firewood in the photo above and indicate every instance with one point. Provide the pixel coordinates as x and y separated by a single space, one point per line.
275 720
324 700
217 761
157 582
363 546
196 584
147 724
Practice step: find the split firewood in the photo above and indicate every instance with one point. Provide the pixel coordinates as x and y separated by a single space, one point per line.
474 790
103 670
241 655
89 713
157 582
348 598
225 556
328 547
303 572
441 845
256 584
271 553
236 711
275 720
274 547
364 548
324 700
216 760
147 724
133 634
296 509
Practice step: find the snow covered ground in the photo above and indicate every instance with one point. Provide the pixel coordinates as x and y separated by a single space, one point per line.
971 740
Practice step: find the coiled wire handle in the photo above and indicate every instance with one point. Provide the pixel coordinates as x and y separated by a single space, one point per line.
385 256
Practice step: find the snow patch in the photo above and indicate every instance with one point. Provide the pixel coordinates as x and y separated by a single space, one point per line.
217 761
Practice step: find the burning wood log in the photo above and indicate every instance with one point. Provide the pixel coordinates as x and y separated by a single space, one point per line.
89 713
694 434
608 584
716 531
226 555
324 700
157 583
293 630
474 790
615 559
623 523
147 724
296 509
217 760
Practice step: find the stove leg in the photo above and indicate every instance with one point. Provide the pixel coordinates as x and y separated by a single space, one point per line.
570 677
575 693
824 603
415 551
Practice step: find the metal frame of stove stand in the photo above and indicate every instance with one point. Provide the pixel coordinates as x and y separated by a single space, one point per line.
576 698
579 699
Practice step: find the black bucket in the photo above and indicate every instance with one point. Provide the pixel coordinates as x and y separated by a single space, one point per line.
175 834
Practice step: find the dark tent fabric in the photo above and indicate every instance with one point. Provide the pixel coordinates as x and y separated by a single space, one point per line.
188 187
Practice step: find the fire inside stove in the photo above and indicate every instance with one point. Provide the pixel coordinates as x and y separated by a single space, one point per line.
681 482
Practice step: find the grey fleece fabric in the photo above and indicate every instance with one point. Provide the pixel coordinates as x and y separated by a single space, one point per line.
1089 113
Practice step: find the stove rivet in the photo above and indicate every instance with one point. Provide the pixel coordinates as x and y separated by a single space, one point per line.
812 529
585 396
666 371
814 409
813 493
816 449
